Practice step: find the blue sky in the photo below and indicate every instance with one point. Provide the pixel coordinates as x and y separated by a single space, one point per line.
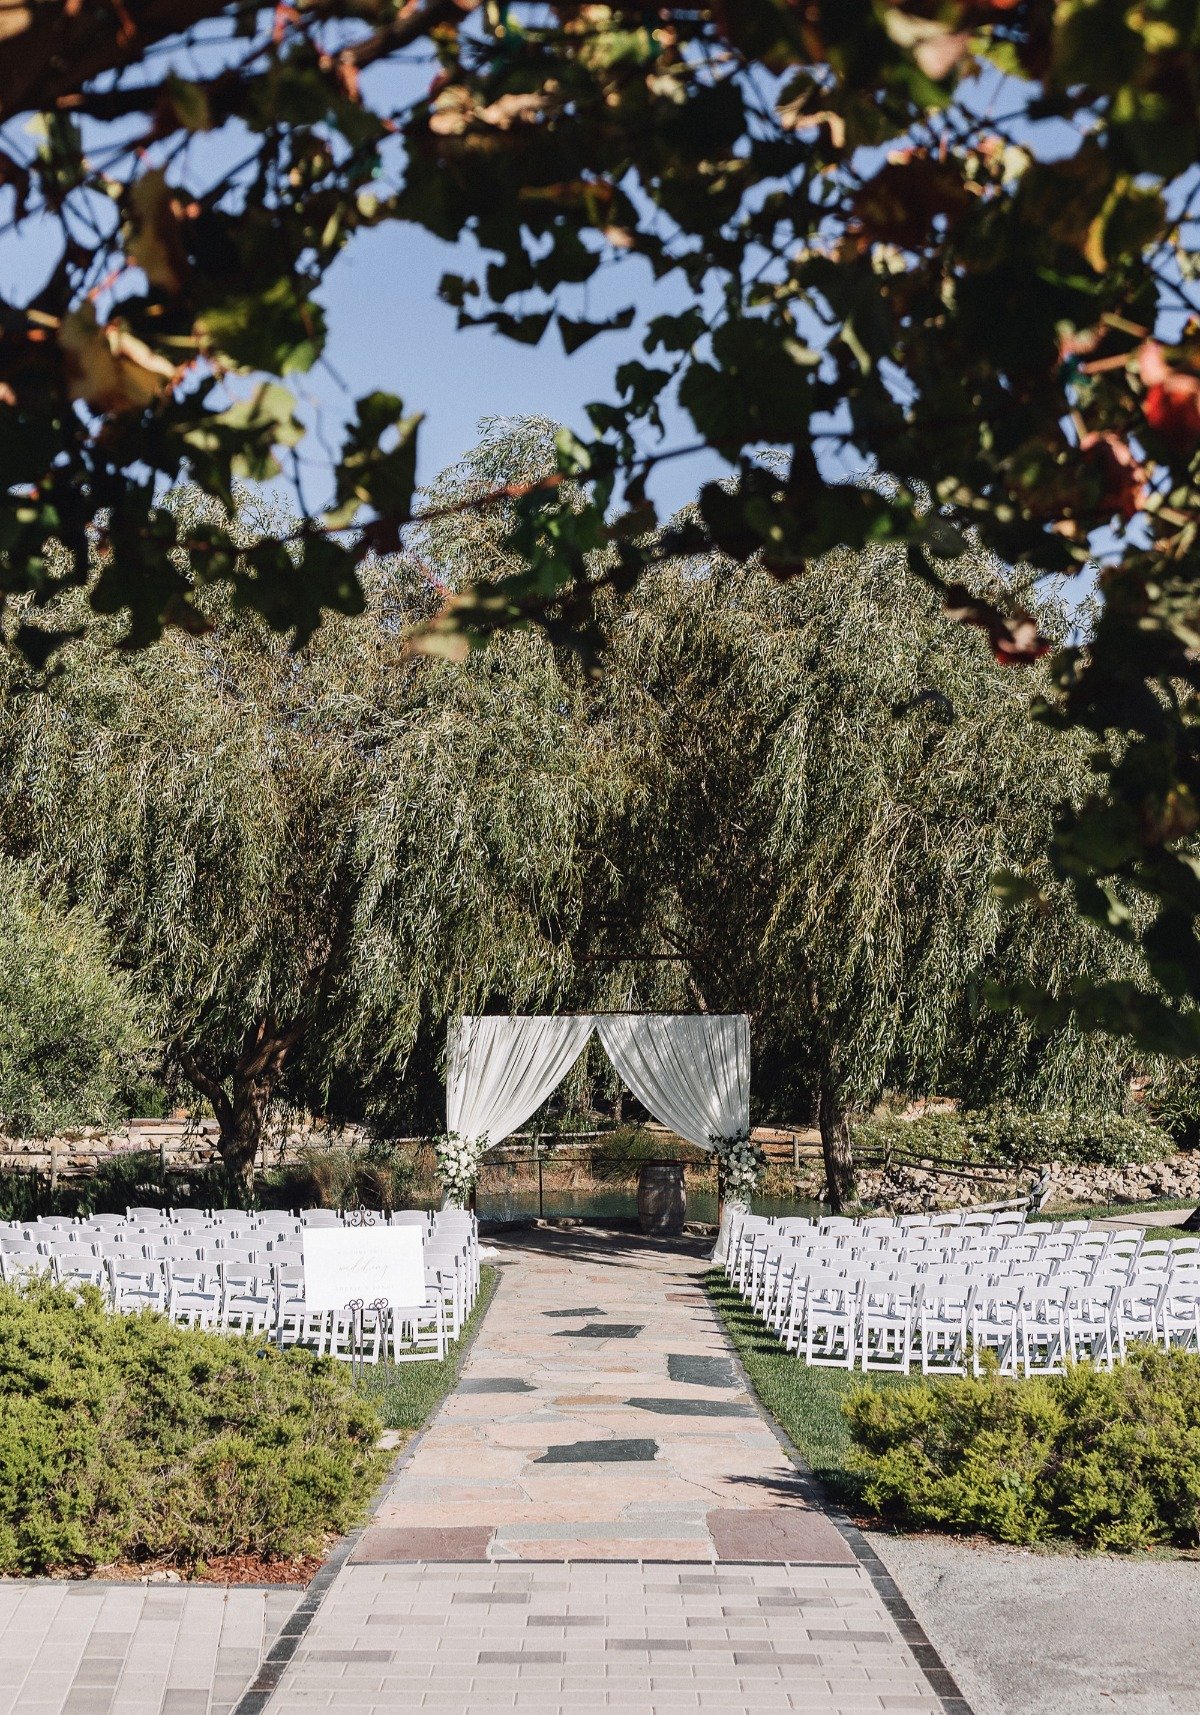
389 330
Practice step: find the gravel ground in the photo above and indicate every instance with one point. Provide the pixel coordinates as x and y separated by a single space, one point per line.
1051 1634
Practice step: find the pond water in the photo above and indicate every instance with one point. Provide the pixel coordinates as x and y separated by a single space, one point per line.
520 1202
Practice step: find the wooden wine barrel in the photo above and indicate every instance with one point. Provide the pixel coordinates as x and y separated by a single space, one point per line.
662 1200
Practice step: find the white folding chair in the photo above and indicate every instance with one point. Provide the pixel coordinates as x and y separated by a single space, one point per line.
1091 1310
74 1266
831 1321
993 1325
750 1228
22 1260
194 1292
1137 1317
123 1249
444 1274
944 1318
418 1332
1179 1310
766 1276
135 1285
247 1295
889 1310
1042 1324
293 1324
837 1226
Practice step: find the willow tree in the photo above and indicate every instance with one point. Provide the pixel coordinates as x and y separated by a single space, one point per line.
308 857
807 806
831 795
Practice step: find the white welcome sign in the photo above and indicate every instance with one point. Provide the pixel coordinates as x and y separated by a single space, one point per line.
367 1263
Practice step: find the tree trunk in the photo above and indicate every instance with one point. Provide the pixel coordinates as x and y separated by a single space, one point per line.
241 1127
241 1110
838 1152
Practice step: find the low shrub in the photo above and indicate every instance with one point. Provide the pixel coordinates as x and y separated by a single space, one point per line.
1024 1139
133 1176
128 1438
1107 1458
343 1176
620 1154
1172 1101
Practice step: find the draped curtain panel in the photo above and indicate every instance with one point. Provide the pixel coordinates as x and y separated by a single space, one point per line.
692 1072
500 1070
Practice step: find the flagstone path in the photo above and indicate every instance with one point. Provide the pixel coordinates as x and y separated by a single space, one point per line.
600 1517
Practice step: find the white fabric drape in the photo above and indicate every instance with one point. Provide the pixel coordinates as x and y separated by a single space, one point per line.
500 1070
692 1072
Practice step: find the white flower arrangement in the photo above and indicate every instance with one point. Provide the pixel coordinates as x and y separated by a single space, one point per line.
740 1164
458 1160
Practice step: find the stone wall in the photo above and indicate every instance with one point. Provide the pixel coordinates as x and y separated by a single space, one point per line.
182 1145
1178 1176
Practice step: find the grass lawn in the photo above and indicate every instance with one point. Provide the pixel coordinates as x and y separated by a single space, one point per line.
407 1395
805 1402
1108 1211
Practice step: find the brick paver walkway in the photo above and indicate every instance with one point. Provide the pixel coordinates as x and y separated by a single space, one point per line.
599 1517
130 1649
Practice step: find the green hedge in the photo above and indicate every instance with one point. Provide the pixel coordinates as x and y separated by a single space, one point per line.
1004 1135
1108 1459
127 1438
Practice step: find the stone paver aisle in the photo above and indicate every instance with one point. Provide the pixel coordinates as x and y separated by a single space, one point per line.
600 1518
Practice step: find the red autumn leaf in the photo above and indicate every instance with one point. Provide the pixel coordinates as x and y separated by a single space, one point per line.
1172 402
1014 637
285 16
1122 478
900 204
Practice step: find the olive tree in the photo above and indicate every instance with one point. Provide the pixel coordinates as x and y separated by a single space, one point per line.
74 1030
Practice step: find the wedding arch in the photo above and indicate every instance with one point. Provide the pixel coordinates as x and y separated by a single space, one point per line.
690 1070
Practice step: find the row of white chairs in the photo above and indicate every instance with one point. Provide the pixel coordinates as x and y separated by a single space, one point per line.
234 1271
940 1294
